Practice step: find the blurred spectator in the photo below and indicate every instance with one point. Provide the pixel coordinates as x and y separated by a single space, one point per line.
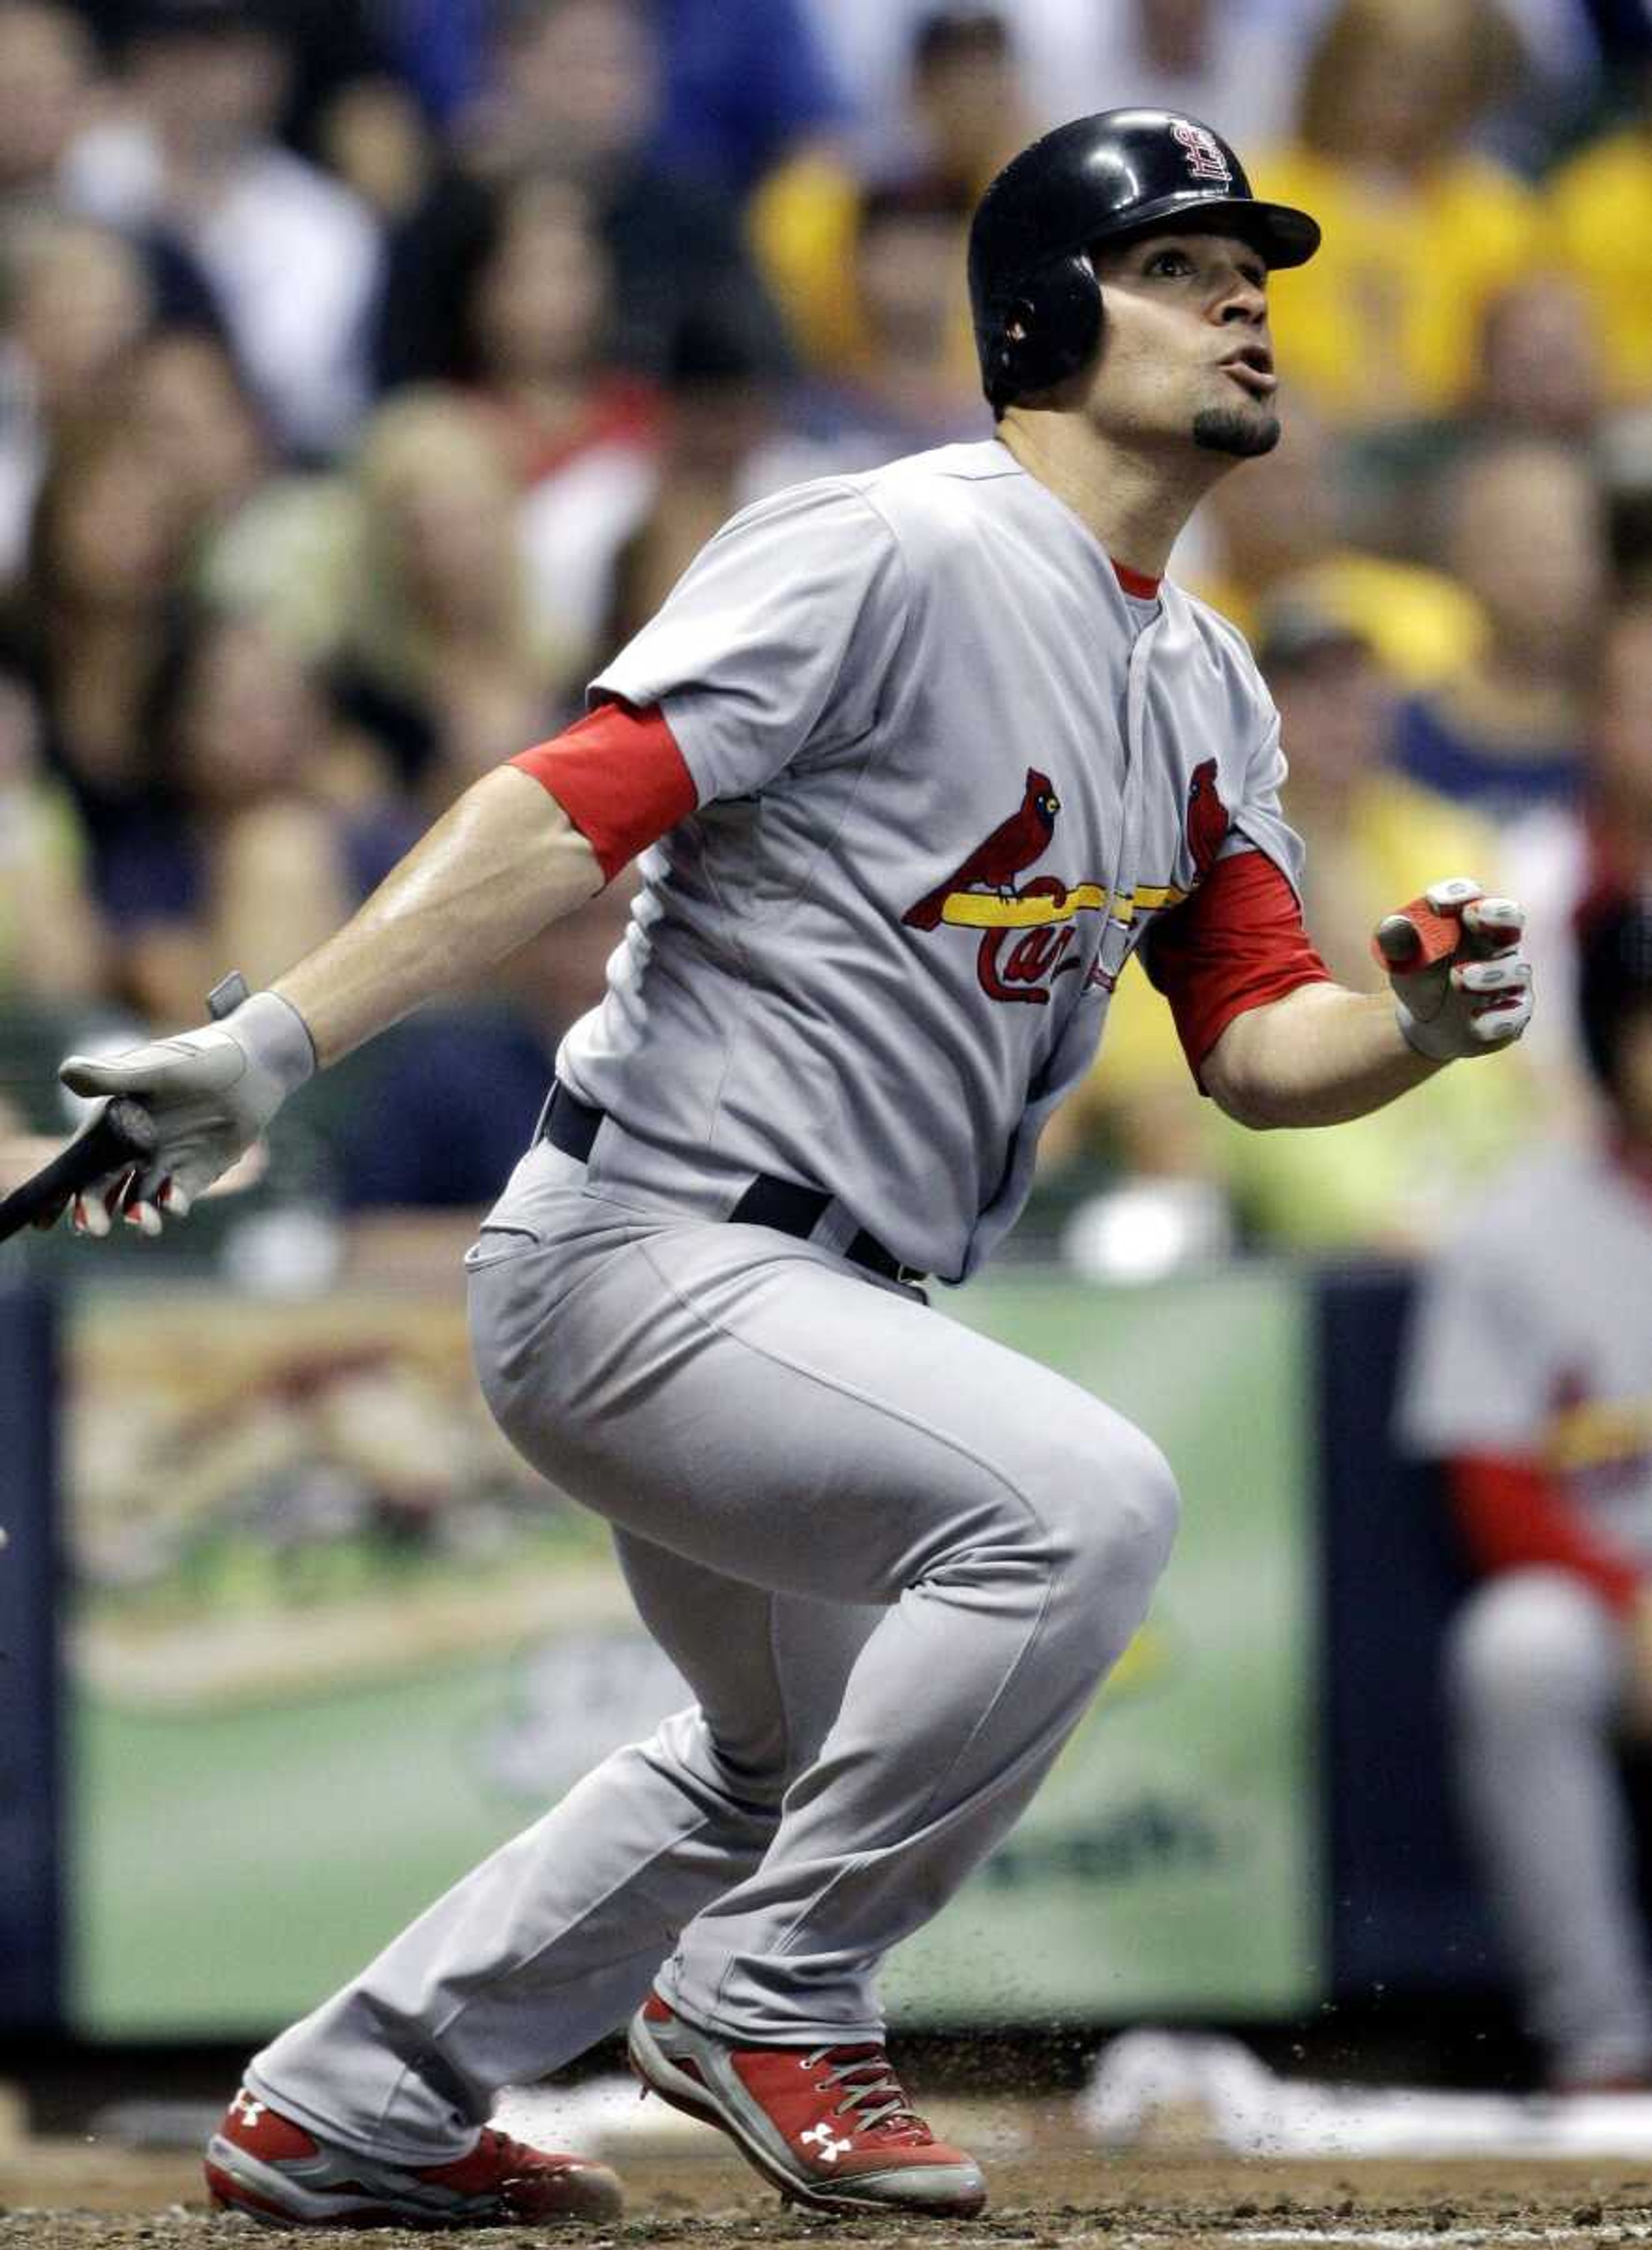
1530 1369
967 116
740 81
180 396
577 95
1600 846
905 389
332 44
51 941
450 654
46 64
89 628
722 413
1419 230
1373 840
252 865
745 82
1617 797
1601 205
533 314
372 136
72 297
1524 531
1233 65
1277 527
1538 374
1539 367
291 257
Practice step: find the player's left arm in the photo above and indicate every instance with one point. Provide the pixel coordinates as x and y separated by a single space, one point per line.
1275 1040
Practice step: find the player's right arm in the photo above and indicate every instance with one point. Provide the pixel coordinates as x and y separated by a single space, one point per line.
747 661
504 860
493 871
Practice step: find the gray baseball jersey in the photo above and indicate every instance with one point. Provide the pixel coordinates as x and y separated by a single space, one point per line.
948 771
1533 1338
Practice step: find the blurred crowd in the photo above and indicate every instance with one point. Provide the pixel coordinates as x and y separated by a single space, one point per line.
370 369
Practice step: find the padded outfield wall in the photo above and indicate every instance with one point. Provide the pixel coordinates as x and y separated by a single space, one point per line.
330 1642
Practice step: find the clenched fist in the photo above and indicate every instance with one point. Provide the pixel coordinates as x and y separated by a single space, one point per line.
1462 985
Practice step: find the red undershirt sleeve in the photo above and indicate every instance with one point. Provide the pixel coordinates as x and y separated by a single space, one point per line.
1237 944
620 776
1512 1516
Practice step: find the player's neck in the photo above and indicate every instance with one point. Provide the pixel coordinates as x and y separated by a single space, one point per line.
1135 502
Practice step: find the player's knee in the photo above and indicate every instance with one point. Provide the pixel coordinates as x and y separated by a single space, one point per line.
1530 1644
1117 1520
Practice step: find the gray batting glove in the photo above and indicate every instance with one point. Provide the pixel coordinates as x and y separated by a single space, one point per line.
1462 986
210 1093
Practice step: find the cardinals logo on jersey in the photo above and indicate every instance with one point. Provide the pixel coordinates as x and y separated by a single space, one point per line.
1035 921
1029 933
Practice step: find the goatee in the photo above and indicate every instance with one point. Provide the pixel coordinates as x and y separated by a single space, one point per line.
1230 430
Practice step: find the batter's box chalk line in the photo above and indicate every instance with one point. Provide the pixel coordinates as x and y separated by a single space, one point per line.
1158 2089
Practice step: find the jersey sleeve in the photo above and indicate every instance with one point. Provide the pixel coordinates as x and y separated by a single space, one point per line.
618 775
776 639
1258 824
1237 944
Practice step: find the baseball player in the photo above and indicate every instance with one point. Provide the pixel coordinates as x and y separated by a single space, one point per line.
918 758
1530 1376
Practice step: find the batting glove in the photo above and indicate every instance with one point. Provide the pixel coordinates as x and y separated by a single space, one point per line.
210 1093
1462 986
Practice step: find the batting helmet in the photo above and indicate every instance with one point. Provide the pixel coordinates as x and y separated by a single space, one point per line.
1033 289
1614 973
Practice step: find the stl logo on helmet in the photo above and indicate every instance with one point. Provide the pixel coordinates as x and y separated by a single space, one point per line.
1205 157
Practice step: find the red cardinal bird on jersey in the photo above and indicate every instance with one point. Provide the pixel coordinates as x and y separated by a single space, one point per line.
1014 844
1207 820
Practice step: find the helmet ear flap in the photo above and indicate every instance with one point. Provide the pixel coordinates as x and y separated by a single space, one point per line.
1049 331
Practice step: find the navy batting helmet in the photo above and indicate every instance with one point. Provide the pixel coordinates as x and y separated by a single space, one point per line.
1033 289
1614 973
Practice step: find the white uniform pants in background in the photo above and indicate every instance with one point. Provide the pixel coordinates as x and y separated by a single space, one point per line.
893 1559
1535 1676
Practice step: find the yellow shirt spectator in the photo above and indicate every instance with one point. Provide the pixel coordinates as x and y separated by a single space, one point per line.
1383 322
1601 205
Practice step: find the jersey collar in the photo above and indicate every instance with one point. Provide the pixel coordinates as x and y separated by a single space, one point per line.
1137 581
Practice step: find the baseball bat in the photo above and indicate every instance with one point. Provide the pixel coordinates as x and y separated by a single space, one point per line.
123 1136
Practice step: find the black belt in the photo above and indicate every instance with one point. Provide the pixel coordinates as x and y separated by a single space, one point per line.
571 1125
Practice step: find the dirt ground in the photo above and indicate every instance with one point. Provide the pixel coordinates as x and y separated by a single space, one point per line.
80 2195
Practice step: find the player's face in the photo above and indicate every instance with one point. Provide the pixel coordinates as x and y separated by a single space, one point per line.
1186 357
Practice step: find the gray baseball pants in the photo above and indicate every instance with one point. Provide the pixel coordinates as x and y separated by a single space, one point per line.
1536 1672
893 1559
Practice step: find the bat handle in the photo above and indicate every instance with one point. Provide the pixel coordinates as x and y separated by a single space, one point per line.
226 996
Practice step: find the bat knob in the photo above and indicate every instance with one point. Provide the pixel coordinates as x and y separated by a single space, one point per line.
1398 940
132 1125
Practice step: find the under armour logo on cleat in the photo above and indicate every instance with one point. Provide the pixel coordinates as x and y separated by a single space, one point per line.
829 2146
248 2107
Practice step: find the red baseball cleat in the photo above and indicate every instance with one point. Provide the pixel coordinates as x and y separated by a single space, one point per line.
261 2163
828 2125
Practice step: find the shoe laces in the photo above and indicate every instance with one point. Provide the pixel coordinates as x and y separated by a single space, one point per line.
873 2097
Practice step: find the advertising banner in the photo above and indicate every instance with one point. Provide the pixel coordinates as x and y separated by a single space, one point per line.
331 1641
